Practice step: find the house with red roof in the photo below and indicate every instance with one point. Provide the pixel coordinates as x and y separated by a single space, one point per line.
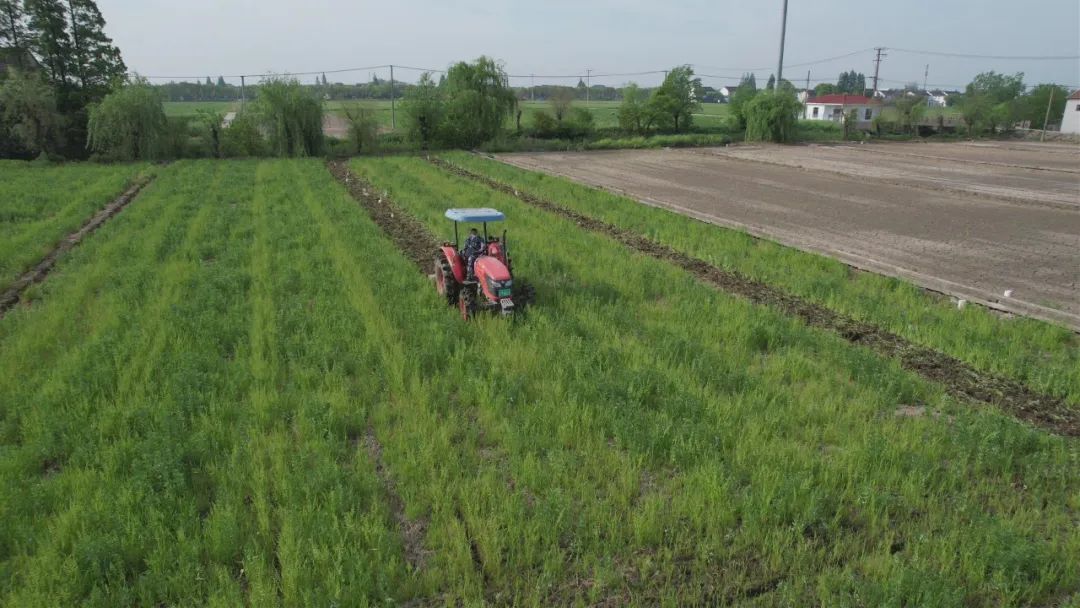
1070 120
835 106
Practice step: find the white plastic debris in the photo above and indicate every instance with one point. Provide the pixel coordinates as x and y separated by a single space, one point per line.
960 304
1008 293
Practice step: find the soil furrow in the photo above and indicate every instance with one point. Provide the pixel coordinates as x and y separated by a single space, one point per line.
412 530
959 379
10 296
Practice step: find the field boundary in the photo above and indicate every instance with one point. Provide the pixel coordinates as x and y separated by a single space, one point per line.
958 378
11 296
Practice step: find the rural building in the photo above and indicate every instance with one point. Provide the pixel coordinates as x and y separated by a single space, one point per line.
834 107
1070 120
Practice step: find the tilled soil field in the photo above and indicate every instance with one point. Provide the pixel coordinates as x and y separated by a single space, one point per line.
1024 238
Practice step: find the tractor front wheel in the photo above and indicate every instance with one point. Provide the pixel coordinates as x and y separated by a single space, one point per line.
445 283
467 303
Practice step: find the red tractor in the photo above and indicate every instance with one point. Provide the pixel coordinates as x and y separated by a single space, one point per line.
489 284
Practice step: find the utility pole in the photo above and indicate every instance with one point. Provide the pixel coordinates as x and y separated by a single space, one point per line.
808 84
393 111
780 63
588 84
926 77
1047 118
877 66
243 98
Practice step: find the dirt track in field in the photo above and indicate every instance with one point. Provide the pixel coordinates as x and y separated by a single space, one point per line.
10 296
958 378
972 227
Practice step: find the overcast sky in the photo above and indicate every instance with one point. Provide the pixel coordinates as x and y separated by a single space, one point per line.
212 37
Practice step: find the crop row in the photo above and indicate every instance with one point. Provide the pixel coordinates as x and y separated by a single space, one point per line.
39 205
773 456
1038 354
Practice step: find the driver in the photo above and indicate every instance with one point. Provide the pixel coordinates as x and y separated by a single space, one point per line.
474 248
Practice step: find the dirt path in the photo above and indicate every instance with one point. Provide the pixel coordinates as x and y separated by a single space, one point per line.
971 247
10 296
958 378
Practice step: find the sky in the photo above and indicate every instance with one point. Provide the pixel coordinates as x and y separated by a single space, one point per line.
611 37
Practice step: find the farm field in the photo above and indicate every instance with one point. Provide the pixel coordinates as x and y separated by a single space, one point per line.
241 391
191 108
974 247
41 204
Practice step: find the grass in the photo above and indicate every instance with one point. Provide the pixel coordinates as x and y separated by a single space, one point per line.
1042 355
190 108
40 204
184 413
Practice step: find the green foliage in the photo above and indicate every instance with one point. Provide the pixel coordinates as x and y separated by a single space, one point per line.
478 101
544 125
423 109
561 101
13 31
363 129
1032 107
852 83
773 117
674 102
291 115
996 88
208 127
746 92
633 111
28 109
129 124
910 110
825 88
580 123
243 137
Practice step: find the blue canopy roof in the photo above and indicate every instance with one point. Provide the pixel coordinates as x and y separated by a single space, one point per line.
475 215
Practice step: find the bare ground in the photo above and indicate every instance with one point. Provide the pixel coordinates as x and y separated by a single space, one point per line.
10 296
973 226
958 378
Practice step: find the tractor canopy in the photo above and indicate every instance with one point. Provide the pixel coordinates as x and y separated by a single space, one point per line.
476 216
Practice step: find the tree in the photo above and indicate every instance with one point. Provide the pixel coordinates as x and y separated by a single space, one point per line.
29 107
996 87
746 91
632 111
97 62
676 98
1033 105
975 110
209 124
910 109
129 124
852 83
423 110
478 101
291 115
13 31
772 82
221 84
772 116
363 128
50 40
561 101
825 88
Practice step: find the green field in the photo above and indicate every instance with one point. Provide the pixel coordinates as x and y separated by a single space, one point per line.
40 204
191 108
239 391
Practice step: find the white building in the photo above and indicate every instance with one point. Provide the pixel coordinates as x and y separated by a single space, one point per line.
834 107
1070 120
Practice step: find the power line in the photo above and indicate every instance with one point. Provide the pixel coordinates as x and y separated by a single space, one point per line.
786 65
1003 57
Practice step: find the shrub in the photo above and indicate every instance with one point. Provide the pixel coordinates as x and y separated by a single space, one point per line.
772 116
580 124
363 129
242 138
544 124
423 110
291 116
129 123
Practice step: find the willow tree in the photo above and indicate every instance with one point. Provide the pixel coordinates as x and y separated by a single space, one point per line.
772 116
291 116
478 102
129 124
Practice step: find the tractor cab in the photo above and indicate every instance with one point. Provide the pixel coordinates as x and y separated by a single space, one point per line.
490 284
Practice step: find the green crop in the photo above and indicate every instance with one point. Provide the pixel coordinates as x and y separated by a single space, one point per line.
39 205
1041 355
238 391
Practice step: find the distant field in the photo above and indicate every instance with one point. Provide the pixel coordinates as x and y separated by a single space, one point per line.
189 108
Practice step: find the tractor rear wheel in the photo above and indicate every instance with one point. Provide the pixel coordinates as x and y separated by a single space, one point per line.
467 303
445 282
